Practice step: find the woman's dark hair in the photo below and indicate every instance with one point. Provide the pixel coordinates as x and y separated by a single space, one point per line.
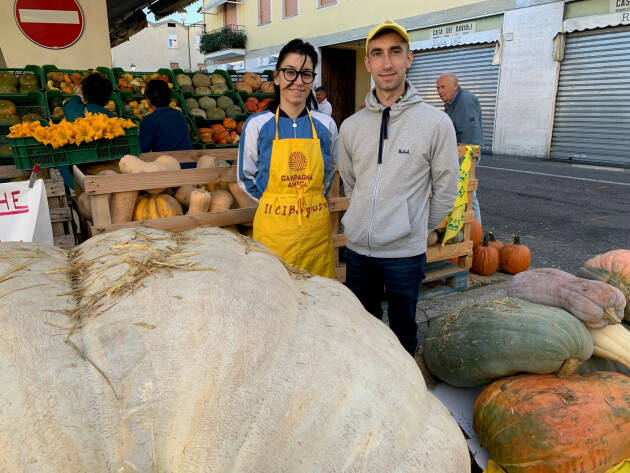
158 92
303 49
97 89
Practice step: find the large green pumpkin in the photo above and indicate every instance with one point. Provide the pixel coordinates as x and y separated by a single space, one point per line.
484 342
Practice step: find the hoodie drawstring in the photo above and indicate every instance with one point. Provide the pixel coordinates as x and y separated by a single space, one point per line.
384 120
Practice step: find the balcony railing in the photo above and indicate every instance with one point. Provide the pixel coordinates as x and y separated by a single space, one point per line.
228 37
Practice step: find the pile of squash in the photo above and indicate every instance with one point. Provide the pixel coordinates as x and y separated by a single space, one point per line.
253 105
137 83
67 82
227 132
141 108
252 83
166 202
18 83
202 84
9 113
570 411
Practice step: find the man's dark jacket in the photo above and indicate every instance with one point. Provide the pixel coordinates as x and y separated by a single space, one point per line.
465 112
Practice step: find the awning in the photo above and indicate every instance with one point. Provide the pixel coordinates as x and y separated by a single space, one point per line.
491 36
126 17
212 4
162 8
595 21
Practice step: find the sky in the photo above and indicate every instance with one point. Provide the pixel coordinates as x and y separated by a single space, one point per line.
191 17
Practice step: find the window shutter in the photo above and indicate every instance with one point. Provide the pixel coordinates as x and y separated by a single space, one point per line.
325 3
230 14
264 12
290 8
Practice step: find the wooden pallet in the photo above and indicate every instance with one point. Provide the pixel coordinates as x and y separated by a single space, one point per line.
100 187
58 206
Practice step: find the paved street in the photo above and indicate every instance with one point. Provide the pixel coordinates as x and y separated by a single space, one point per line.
564 213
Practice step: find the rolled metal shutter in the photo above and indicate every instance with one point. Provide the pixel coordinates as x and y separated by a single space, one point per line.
475 72
592 115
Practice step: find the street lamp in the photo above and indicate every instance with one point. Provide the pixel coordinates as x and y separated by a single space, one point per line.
182 16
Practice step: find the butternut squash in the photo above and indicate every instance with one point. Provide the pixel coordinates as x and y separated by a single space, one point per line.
612 343
221 200
121 204
243 200
168 163
593 302
183 194
83 204
199 202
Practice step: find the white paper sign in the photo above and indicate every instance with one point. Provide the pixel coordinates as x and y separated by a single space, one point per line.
24 214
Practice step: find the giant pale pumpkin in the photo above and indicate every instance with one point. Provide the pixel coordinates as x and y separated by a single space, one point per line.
483 342
201 352
547 424
613 268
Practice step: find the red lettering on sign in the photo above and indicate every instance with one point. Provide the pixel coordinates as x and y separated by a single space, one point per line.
11 204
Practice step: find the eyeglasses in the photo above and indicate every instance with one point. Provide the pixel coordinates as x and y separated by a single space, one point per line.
291 74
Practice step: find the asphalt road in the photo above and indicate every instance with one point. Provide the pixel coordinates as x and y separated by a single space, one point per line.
564 213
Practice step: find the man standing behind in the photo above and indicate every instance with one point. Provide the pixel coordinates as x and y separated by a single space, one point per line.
392 154
323 105
465 112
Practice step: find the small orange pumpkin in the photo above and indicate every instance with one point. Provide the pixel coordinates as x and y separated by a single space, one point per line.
515 258
493 242
239 127
476 232
229 123
485 259
220 135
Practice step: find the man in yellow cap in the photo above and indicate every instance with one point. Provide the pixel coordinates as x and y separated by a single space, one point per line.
392 154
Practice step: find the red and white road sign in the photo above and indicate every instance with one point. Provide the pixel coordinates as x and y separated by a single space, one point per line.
54 24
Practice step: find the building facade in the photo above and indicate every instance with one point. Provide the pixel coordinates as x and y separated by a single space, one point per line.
169 44
549 73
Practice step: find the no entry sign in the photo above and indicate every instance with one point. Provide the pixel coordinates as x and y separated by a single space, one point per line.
53 24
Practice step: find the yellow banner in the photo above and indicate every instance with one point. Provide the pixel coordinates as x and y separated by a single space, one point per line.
456 217
621 467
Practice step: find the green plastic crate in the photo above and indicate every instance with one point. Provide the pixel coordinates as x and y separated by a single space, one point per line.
118 71
236 98
50 94
126 97
33 102
29 68
221 72
28 151
106 71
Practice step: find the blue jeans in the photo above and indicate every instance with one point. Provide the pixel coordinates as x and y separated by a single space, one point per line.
396 280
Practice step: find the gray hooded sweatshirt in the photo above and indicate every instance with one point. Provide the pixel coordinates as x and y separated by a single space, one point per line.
389 167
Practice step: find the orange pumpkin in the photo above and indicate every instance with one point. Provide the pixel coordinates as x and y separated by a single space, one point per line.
205 130
547 424
476 232
485 259
229 123
251 105
239 127
515 258
220 135
493 242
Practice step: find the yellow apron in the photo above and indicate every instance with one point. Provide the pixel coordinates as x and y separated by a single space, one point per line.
292 218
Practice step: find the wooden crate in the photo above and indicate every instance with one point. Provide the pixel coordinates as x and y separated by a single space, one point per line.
58 206
99 188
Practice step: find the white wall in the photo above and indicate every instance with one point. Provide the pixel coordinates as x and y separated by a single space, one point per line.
90 50
149 49
528 80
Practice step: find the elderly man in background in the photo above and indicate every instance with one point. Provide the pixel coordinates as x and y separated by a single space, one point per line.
464 109
323 105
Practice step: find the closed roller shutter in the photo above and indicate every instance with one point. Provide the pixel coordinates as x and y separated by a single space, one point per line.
475 72
592 116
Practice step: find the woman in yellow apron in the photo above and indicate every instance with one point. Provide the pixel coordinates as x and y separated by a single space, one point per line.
287 160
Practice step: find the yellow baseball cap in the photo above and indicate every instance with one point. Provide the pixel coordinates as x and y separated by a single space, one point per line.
386 25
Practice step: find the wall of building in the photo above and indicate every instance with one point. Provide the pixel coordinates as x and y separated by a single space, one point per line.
149 49
528 80
363 81
345 15
91 50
